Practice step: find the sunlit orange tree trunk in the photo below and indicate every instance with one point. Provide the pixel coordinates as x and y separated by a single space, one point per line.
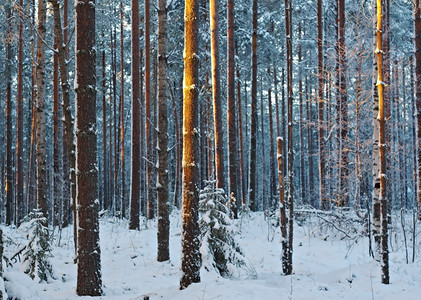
190 259
382 148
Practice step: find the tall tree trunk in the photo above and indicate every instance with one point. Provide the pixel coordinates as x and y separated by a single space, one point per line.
89 256
321 124
57 145
216 95
176 201
135 151
8 117
253 130
344 189
114 75
290 202
414 134
67 111
272 151
309 146
104 137
19 128
262 147
162 186
387 88
190 260
282 212
42 202
376 151
148 120
240 136
417 52
122 156
358 100
232 130
382 147
300 95
31 193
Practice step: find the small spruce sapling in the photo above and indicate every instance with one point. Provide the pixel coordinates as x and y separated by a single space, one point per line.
218 247
38 251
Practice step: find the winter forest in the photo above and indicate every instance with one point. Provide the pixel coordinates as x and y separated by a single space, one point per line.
170 149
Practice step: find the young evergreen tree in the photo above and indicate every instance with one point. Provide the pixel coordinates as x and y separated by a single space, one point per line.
217 233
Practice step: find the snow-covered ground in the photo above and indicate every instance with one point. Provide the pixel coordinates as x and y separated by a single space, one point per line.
326 266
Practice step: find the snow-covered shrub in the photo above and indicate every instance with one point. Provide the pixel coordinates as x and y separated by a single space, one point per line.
38 251
218 247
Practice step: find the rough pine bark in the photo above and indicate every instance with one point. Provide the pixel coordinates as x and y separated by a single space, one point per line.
344 188
162 186
89 256
272 193
300 95
135 127
8 117
30 186
105 189
253 129
57 145
41 156
417 50
122 153
382 148
19 128
309 146
262 147
240 136
190 259
290 202
232 130
216 94
321 126
148 120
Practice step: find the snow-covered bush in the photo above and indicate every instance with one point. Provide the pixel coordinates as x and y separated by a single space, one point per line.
38 251
218 247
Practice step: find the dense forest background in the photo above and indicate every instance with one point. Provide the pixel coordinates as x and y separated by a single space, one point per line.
286 111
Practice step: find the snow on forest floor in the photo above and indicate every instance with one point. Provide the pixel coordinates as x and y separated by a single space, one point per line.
324 265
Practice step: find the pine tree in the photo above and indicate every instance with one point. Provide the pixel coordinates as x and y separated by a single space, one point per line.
382 148
162 186
89 256
190 260
135 126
